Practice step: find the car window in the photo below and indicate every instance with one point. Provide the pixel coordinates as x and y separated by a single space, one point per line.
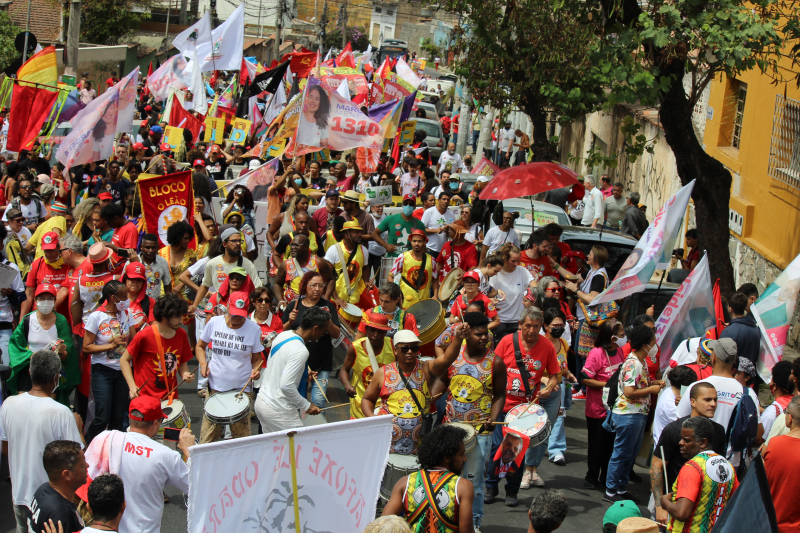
617 254
431 129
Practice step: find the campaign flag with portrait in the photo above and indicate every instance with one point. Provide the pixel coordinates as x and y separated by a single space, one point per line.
652 252
258 180
173 73
327 120
166 200
356 82
508 458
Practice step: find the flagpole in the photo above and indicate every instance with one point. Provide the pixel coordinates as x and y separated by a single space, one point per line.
663 275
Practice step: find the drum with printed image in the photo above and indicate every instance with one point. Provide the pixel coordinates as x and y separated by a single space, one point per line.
530 419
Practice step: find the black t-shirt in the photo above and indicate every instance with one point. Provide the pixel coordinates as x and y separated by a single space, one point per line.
216 169
598 284
320 352
150 148
557 197
670 440
40 166
85 177
47 504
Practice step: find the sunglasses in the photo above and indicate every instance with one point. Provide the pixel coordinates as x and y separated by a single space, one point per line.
234 242
18 219
262 300
25 187
408 349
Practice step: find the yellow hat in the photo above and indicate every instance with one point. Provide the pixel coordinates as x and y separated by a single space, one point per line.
353 224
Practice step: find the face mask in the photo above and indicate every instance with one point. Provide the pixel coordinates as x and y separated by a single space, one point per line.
651 353
45 306
557 332
453 186
123 305
299 182
622 341
408 210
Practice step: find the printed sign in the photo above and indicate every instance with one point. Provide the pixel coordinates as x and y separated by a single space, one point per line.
407 130
215 127
378 195
173 136
240 130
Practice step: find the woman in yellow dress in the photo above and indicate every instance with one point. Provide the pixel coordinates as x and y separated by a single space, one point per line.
180 257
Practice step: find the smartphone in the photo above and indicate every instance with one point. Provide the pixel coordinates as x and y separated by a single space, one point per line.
172 434
122 252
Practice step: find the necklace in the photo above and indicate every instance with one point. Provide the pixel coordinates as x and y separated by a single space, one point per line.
109 528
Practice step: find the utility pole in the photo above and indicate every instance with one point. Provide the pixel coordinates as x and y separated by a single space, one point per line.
279 27
343 22
183 17
166 30
73 37
27 31
323 22
260 5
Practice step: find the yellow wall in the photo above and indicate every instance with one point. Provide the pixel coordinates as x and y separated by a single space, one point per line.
770 206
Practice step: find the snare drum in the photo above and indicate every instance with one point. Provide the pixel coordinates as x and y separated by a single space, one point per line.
226 408
448 286
531 420
351 314
430 319
470 439
398 467
177 417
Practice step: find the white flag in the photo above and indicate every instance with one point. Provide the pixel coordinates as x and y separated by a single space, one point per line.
224 51
276 104
653 250
249 484
343 91
173 73
194 35
197 86
689 313
127 101
406 74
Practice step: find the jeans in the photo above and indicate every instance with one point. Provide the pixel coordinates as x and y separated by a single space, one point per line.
455 139
630 430
111 400
317 392
551 404
557 444
475 470
5 337
600 447
504 329
475 136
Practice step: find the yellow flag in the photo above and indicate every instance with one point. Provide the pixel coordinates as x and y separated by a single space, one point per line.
41 68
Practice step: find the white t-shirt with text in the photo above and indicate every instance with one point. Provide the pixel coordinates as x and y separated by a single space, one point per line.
433 219
106 327
232 350
513 285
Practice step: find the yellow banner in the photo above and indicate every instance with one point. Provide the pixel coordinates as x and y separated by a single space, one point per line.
215 129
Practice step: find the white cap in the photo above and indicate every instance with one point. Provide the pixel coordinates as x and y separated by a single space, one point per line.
405 336
483 179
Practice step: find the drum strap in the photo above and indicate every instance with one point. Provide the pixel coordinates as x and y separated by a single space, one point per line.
430 499
420 278
160 348
371 354
523 370
346 275
425 416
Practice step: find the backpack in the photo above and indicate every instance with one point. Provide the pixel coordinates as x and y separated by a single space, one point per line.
15 204
743 425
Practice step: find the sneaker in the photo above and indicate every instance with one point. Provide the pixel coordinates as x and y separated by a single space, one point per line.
578 396
526 479
628 496
490 494
536 481
613 498
559 460
511 501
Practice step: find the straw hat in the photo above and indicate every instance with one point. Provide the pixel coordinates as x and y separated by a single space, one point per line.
637 524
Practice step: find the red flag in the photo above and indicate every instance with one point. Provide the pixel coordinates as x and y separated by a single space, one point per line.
396 151
228 112
302 63
166 200
244 74
719 310
180 118
212 81
145 89
29 109
345 59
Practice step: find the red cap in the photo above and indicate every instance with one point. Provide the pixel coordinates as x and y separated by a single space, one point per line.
216 149
105 196
143 124
199 163
138 146
134 271
473 275
238 303
50 241
149 407
419 232
148 108
45 287
410 197
166 147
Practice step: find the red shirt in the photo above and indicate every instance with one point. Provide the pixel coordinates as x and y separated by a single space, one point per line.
320 216
782 461
41 272
126 236
564 247
542 357
461 302
110 82
418 213
539 267
137 312
445 121
454 122
465 257
147 365
73 274
276 325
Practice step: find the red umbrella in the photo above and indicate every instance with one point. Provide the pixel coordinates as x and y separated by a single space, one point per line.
530 179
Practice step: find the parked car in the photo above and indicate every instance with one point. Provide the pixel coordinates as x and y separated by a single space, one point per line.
542 214
638 303
435 138
430 110
582 239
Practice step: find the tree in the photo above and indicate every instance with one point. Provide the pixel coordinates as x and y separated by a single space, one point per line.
530 54
110 22
430 48
8 32
357 35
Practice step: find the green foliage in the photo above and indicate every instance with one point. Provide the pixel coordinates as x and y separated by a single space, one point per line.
7 34
110 22
357 35
430 49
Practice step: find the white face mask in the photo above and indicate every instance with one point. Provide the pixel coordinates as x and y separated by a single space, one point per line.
622 341
651 353
123 305
45 306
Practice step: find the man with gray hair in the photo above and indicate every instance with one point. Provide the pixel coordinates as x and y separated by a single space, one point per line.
28 422
548 510
593 203
634 223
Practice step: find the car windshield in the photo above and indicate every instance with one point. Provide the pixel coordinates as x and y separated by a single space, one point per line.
431 129
617 253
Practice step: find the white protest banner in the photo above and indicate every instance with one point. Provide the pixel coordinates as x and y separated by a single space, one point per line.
329 121
224 50
257 180
773 312
378 195
406 73
310 481
653 250
689 313
127 101
173 73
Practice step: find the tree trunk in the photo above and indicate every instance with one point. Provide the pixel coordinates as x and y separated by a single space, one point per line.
712 189
543 149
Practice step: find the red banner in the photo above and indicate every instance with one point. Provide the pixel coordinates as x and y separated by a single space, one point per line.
166 200
228 112
302 63
180 118
368 159
29 109
346 59
485 167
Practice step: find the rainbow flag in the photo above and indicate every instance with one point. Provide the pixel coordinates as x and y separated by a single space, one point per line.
41 68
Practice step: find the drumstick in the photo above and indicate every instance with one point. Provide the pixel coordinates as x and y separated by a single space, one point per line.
142 385
320 389
178 385
248 381
335 406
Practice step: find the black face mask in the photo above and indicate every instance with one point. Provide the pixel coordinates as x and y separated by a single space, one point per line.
557 332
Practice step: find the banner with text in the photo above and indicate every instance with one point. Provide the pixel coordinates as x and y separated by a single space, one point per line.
245 485
166 200
485 167
356 82
653 250
689 313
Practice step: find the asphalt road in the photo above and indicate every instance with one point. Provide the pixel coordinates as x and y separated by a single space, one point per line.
586 506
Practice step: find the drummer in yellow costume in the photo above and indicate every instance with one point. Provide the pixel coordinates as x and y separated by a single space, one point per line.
287 280
417 271
350 286
364 356
393 385
476 391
